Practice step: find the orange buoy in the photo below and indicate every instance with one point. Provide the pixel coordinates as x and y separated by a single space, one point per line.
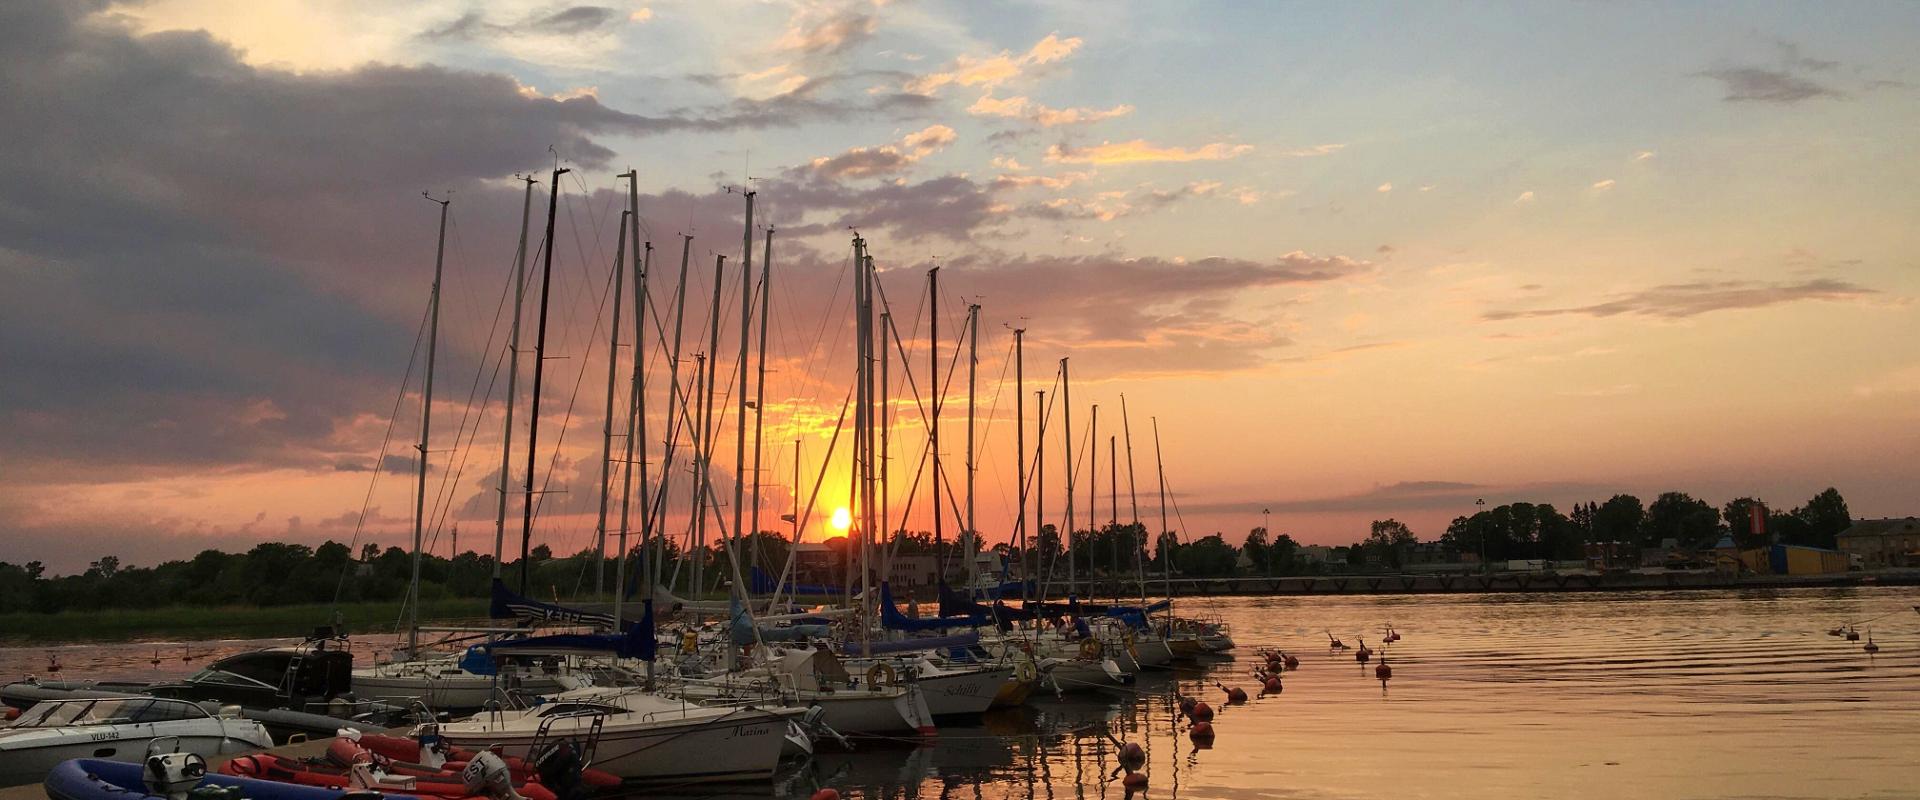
1201 730
1187 704
1382 671
1236 695
1293 662
1134 781
13 714
1202 713
1273 685
1853 635
827 794
1131 753
1870 646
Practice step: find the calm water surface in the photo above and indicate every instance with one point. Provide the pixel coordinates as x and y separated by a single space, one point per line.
1656 695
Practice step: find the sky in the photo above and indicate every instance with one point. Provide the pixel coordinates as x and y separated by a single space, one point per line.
1355 260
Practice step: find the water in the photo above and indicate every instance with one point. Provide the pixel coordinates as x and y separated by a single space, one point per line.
1646 694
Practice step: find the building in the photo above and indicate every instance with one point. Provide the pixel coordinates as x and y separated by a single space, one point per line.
1881 543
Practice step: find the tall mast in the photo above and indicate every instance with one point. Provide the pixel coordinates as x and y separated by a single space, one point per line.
738 535
698 551
933 433
676 411
1093 490
606 428
760 383
1166 553
857 484
706 425
1133 499
866 454
634 402
513 373
1040 470
539 370
1020 450
973 361
1066 436
426 423
886 451
1113 501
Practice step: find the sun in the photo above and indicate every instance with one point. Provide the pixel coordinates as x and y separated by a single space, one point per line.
842 519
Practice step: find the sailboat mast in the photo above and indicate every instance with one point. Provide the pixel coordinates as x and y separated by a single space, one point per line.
513 373
973 363
676 412
856 483
633 404
606 427
738 534
1066 436
937 391
1020 451
707 443
866 455
1093 493
1166 553
426 423
698 548
1040 470
1133 500
886 450
760 383
539 371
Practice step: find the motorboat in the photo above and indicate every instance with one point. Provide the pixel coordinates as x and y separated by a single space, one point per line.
118 729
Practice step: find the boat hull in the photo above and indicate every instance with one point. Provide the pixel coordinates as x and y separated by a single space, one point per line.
33 762
963 693
745 745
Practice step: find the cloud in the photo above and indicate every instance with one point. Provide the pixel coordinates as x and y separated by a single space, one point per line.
1385 188
871 162
994 70
1008 163
1603 185
570 21
1316 150
816 32
645 14
1140 151
1682 300
1762 85
1644 155
1525 197
1045 116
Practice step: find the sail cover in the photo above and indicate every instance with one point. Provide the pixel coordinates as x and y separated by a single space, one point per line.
637 642
509 605
893 620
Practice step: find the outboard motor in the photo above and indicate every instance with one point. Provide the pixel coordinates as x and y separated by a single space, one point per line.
173 775
489 775
559 767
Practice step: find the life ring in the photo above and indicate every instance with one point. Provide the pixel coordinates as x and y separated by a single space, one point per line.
882 674
1090 648
689 643
1025 671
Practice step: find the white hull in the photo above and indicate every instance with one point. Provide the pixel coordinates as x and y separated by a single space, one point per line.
744 745
959 693
1082 675
28 760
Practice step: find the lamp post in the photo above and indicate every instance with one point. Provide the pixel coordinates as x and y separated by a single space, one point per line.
1266 528
1479 506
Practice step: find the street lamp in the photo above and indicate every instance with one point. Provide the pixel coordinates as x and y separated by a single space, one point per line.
1266 527
1480 505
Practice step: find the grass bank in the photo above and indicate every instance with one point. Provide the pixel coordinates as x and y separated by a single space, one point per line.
187 622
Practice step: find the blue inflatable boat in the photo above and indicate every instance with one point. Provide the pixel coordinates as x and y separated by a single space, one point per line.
96 779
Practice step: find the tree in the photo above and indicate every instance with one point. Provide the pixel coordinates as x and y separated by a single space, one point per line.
1389 540
1256 549
1283 555
1208 556
1619 519
1826 516
1677 515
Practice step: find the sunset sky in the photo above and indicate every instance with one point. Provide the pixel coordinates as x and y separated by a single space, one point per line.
1359 260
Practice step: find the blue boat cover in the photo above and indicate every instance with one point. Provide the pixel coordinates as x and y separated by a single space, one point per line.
893 620
509 605
638 642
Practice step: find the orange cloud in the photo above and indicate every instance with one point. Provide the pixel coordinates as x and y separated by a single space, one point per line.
997 69
1023 108
1140 151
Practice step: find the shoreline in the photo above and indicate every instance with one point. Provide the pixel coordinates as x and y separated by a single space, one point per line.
197 623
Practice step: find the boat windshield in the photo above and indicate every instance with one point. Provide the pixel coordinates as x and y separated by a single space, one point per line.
115 711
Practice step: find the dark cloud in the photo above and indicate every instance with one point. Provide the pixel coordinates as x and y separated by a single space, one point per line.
572 21
1682 300
1762 85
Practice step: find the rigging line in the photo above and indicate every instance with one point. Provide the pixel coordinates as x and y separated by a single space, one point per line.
378 465
450 485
